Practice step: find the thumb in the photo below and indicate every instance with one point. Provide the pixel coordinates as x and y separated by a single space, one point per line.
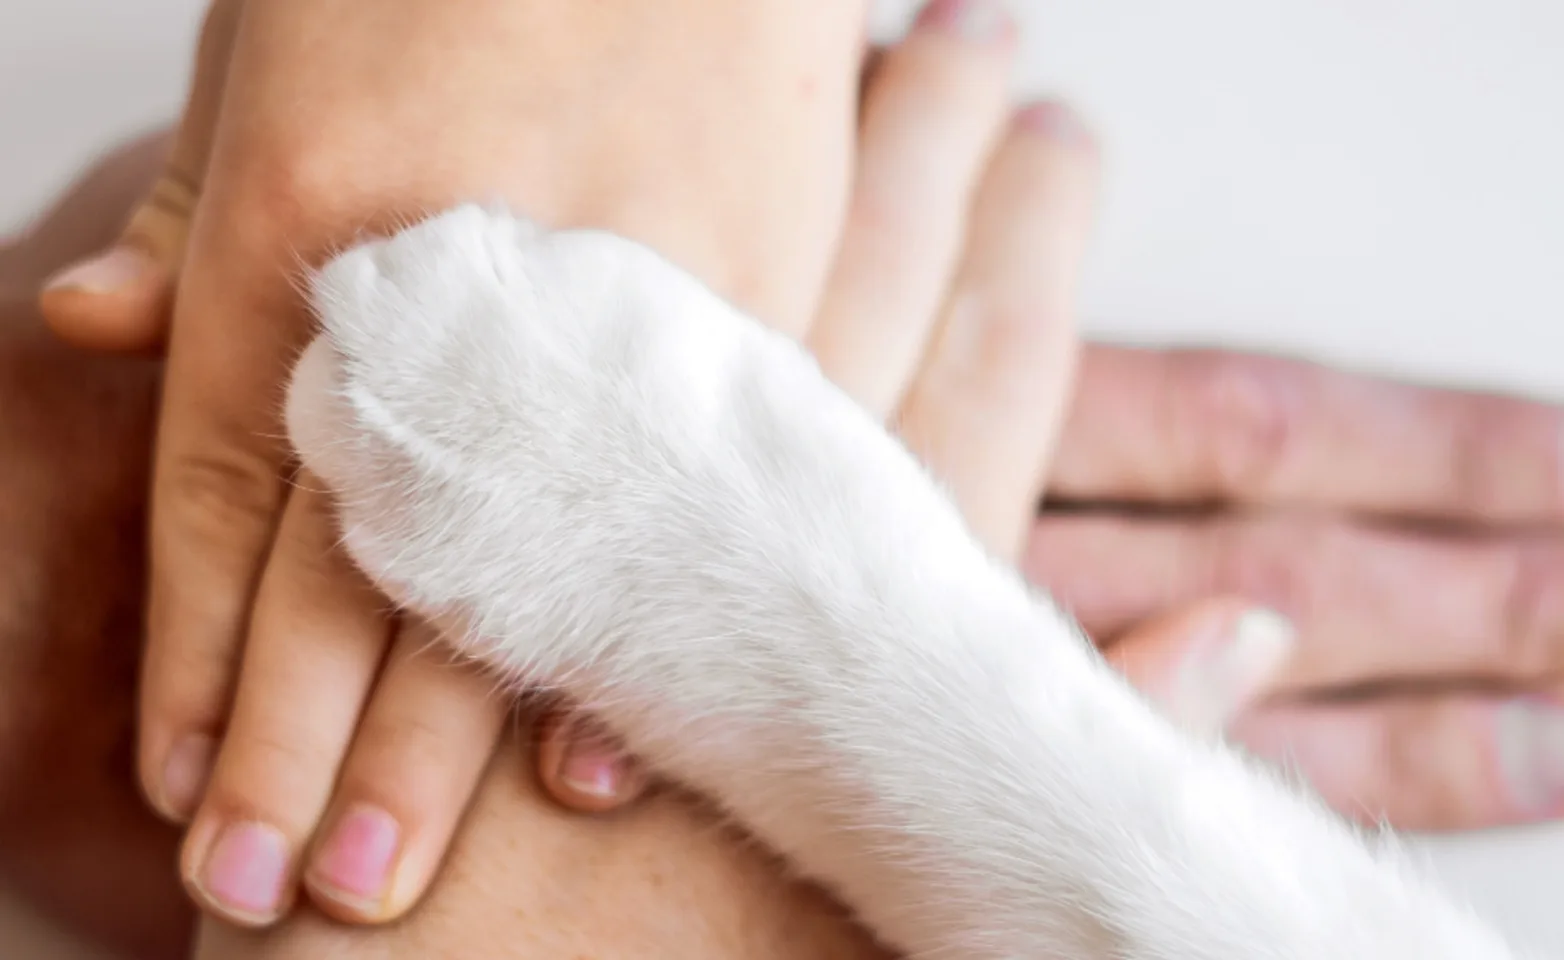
1205 662
121 299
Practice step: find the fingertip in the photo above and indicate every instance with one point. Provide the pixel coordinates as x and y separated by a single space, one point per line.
1529 749
118 301
584 767
1057 121
240 870
175 782
419 753
354 874
1206 662
972 21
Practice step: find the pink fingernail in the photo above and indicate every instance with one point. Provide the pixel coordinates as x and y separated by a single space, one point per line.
1218 680
185 773
246 869
115 269
1531 753
1055 121
976 20
593 763
357 857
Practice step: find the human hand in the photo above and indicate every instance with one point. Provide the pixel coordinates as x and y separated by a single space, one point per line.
1393 724
1411 535
950 312
310 122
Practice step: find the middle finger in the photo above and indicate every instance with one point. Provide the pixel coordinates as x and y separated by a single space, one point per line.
1370 603
932 109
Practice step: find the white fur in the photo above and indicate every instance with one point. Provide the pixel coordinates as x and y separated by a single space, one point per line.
594 474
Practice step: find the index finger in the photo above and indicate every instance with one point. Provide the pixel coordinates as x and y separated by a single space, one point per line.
1193 426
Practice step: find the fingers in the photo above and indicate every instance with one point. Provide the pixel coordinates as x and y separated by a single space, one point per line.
218 480
121 299
1205 662
310 663
1007 344
419 753
87 217
1456 761
584 767
1369 603
1453 762
1195 425
931 113
983 410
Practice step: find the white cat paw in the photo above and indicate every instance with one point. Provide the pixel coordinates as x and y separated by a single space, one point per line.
500 409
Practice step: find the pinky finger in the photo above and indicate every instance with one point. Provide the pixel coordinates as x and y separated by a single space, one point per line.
1423 763
1206 661
584 767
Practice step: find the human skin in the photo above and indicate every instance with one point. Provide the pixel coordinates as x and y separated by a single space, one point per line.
717 133
517 846
51 388
295 772
669 856
79 841
78 838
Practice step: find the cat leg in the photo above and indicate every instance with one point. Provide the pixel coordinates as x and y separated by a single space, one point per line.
593 474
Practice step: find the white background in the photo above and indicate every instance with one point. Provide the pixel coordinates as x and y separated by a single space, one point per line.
1373 182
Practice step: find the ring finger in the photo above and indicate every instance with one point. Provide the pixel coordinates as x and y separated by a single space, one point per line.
984 409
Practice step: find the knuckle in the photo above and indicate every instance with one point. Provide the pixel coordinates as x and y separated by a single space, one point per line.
213 494
1007 350
1240 416
310 542
1493 459
282 773
188 684
411 763
285 194
878 215
1430 765
1531 610
410 740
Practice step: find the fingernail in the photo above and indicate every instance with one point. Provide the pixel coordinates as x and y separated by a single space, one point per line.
185 773
116 269
1531 753
975 20
1055 121
246 869
355 862
1220 679
593 763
